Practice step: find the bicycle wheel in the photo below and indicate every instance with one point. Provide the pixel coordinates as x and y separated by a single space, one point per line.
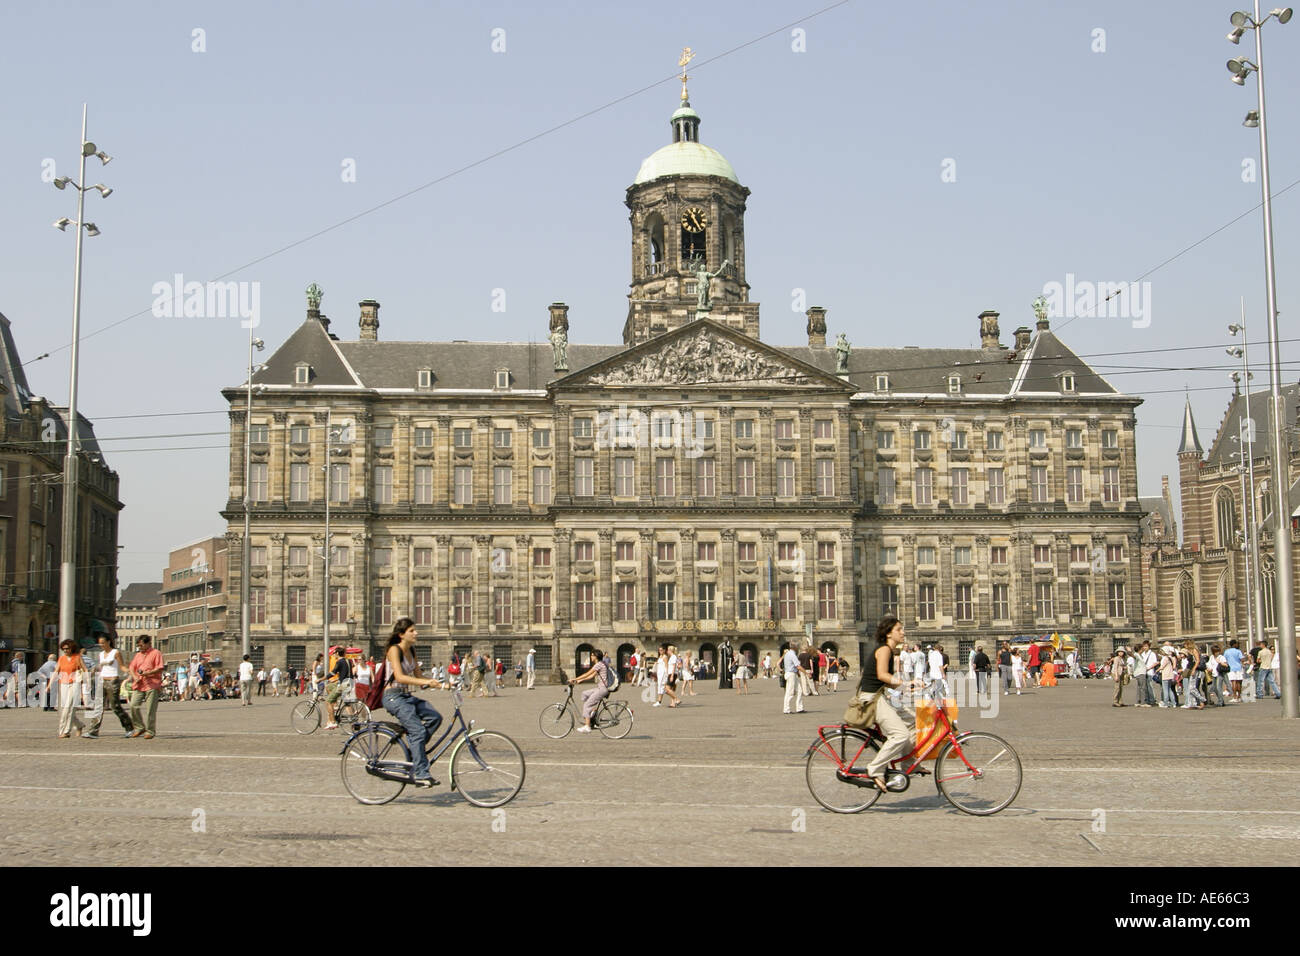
994 782
556 721
376 742
487 768
854 749
615 720
353 712
305 717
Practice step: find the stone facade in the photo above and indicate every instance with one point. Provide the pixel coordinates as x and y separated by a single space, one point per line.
192 615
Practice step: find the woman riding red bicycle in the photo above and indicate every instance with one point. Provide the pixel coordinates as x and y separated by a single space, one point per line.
877 678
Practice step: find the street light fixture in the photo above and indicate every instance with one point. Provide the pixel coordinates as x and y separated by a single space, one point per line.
245 613
68 571
1284 579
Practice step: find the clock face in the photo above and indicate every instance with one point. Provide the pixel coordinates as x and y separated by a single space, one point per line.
694 219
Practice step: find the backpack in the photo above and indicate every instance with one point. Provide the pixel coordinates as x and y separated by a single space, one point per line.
374 698
611 676
480 665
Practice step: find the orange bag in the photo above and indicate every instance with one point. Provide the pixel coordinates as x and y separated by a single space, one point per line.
927 717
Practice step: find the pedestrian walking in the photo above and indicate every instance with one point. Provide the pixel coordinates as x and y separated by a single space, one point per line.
109 669
519 673
1018 672
275 681
530 667
793 671
1005 669
1119 673
1267 675
1233 656
146 681
246 681
688 675
70 670
665 678
741 678
261 682
1193 675
983 668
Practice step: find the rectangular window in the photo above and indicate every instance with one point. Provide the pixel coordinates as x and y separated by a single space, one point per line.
1074 438
963 608
665 478
257 556
822 428
783 428
259 434
704 474
501 437
383 605
502 605
624 550
884 440
463 484
297 606
1115 600
541 438
624 477
542 485
889 599
889 556
340 556
423 605
462 558
826 607
924 486
1038 483
1114 552
997 487
461 608
625 602
1078 554
383 557
961 554
921 440
785 477
706 609
1074 484
299 481
925 608
462 438
1001 602
959 439
993 441
298 434
786 602
998 554
424 438
745 477
384 436
825 550
886 490
583 428
423 484
257 482
825 478
665 430
541 557
1043 599
257 605
1079 598
745 550
743 428
1038 438
666 551
704 429
503 477
667 603
297 557
1042 554
746 601
338 605
424 557
1110 484
706 551
582 550
787 550
383 481
1110 439
925 554
541 605
584 470
960 483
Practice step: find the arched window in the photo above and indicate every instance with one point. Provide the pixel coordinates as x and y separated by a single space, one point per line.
655 238
1266 590
1186 604
1225 518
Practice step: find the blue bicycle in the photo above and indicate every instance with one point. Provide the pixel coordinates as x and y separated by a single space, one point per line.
487 767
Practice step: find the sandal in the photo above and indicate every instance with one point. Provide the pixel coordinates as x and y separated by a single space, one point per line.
880 784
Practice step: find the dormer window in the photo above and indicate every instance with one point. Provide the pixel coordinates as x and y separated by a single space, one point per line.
954 384
302 374
1067 381
882 383
502 378
424 378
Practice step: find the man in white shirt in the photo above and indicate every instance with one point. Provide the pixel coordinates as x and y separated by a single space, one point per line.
1072 659
793 685
246 681
530 667
275 681
936 670
908 664
1146 660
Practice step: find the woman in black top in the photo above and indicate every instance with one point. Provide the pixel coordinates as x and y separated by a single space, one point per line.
877 677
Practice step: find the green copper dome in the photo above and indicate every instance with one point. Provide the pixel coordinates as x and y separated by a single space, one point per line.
685 159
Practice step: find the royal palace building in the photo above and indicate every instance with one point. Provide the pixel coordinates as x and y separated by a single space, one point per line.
692 484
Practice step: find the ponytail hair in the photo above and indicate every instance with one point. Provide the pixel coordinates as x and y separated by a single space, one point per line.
403 625
884 627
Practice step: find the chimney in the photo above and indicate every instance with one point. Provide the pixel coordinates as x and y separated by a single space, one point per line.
989 330
1022 338
369 320
817 327
559 317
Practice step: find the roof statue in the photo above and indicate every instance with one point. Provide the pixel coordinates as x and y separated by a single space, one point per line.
1040 308
314 293
687 55
560 349
841 354
702 276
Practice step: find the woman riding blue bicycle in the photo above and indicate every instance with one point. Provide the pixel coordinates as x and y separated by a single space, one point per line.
417 715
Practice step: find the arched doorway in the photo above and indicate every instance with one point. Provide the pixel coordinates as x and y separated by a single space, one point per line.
625 652
831 649
582 659
709 657
749 652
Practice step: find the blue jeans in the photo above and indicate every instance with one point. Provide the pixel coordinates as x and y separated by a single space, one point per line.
1269 680
1168 697
1144 695
420 719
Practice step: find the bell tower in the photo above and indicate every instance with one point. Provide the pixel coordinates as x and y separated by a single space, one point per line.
688 236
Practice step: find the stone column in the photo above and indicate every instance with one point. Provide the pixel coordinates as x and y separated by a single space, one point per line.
688 599
728 584
442 574
605 580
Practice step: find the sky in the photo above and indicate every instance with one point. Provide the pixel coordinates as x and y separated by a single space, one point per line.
911 165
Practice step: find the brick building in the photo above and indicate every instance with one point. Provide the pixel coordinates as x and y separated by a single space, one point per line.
137 612
192 615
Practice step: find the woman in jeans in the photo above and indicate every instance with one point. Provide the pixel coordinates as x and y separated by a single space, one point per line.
416 715
1168 672
1192 678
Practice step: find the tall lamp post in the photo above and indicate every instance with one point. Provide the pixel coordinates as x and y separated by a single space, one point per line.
68 572
245 613
1240 68
1247 438
1245 551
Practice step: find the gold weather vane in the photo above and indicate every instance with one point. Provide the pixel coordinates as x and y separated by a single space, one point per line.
687 56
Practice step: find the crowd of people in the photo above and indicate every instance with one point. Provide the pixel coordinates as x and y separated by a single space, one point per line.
1192 678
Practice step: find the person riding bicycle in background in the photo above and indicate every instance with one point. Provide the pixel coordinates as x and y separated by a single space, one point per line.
877 677
340 680
600 673
418 716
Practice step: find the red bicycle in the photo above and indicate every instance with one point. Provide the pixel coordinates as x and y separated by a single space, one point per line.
979 773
